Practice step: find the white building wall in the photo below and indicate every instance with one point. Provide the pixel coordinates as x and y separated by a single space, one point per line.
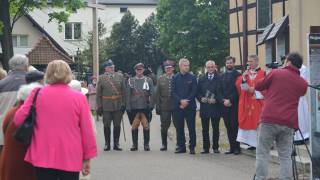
109 15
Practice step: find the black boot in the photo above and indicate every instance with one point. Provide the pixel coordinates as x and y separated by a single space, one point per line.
116 136
146 137
134 140
107 133
164 135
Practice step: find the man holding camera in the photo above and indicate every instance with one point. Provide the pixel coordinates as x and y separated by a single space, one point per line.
111 103
279 117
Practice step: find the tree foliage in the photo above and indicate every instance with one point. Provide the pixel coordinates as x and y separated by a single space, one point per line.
12 10
130 43
196 29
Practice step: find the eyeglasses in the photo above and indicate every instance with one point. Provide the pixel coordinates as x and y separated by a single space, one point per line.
139 69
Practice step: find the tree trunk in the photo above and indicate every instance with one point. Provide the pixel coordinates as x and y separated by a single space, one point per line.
6 37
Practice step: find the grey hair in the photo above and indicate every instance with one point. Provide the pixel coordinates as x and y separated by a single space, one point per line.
253 56
210 62
25 90
18 62
183 60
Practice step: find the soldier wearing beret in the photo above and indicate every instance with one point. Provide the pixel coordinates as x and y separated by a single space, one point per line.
164 101
139 104
111 103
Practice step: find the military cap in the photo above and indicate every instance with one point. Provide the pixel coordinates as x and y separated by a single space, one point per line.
34 76
139 65
168 63
108 63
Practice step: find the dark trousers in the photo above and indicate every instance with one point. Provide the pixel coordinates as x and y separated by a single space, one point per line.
180 116
215 132
230 118
112 116
166 117
53 174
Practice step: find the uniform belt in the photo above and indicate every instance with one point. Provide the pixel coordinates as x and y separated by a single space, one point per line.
111 97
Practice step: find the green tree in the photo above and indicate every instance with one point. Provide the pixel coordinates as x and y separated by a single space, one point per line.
86 57
12 10
146 47
196 29
120 46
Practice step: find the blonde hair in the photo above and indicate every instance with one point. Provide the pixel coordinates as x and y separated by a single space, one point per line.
58 71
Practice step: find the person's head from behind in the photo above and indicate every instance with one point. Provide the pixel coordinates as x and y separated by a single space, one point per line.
294 59
34 76
25 90
253 61
76 85
58 72
184 65
230 62
19 63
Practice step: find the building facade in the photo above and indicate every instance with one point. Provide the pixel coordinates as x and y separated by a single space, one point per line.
271 28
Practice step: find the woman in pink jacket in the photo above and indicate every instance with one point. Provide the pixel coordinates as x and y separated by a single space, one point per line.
63 142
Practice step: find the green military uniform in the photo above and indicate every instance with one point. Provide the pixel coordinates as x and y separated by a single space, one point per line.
164 106
111 100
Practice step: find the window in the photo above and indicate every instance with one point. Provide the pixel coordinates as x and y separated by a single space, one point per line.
72 31
269 52
264 13
123 9
20 40
281 47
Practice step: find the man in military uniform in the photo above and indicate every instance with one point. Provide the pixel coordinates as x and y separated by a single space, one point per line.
164 101
184 89
111 103
140 103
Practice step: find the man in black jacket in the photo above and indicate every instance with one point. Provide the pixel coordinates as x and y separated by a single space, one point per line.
209 96
230 104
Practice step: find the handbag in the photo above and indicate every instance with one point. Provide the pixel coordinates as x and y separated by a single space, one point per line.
24 133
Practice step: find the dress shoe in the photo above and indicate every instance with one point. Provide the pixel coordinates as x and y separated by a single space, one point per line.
216 151
205 151
106 148
251 148
180 150
163 148
134 148
192 151
237 152
229 152
146 147
117 148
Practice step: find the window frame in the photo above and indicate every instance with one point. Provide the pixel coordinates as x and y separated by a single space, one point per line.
18 37
126 9
73 31
258 15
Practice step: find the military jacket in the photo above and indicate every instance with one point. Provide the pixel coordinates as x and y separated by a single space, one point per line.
163 93
111 92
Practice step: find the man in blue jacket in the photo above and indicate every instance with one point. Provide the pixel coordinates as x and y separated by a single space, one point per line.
184 89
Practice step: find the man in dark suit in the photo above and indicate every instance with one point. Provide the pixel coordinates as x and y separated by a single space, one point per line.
209 96
184 89
230 104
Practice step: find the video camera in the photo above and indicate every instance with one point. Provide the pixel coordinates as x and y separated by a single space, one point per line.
275 64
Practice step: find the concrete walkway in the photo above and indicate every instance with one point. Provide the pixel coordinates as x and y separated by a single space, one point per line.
157 165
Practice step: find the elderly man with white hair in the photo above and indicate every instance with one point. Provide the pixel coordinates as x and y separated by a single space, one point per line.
10 85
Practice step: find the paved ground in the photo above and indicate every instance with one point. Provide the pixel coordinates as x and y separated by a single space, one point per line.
157 165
